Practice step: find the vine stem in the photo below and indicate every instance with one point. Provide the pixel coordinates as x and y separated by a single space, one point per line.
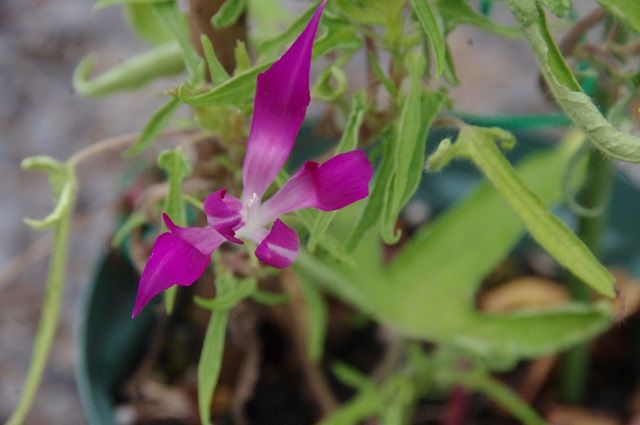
48 321
49 318
596 195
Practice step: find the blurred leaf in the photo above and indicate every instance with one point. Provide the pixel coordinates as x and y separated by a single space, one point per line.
457 12
381 76
243 61
273 17
479 145
368 12
559 7
269 298
331 84
63 183
132 222
218 74
378 194
237 90
430 28
161 61
562 83
408 152
317 315
145 24
154 127
213 350
240 88
450 68
172 18
427 292
101 4
241 289
269 49
626 10
340 35
228 13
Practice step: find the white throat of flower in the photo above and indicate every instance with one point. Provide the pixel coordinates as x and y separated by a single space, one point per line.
253 227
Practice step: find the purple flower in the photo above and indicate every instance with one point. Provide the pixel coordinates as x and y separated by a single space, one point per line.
180 256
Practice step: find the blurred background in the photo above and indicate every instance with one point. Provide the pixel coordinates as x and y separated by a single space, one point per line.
41 42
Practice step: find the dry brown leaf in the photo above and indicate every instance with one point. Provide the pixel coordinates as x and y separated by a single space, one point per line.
521 293
569 415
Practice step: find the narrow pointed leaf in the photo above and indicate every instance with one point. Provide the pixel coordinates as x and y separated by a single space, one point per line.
564 87
161 61
626 10
429 24
556 238
217 72
172 18
154 127
228 13
145 24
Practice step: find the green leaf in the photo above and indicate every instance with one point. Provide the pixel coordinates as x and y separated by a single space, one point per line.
341 35
429 24
269 298
427 292
626 10
559 7
132 222
378 194
243 61
237 90
240 290
381 76
408 153
145 24
269 49
172 18
177 167
331 84
317 315
161 61
575 103
273 17
457 12
218 74
212 351
348 142
64 184
228 13
368 12
240 88
479 144
101 4
154 127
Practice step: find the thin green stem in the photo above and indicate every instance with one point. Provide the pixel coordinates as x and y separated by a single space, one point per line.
48 321
501 394
596 194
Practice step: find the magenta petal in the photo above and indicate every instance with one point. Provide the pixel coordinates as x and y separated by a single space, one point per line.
282 96
173 261
204 239
342 180
280 248
178 257
223 214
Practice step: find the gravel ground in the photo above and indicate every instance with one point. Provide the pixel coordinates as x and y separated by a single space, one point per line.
40 44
